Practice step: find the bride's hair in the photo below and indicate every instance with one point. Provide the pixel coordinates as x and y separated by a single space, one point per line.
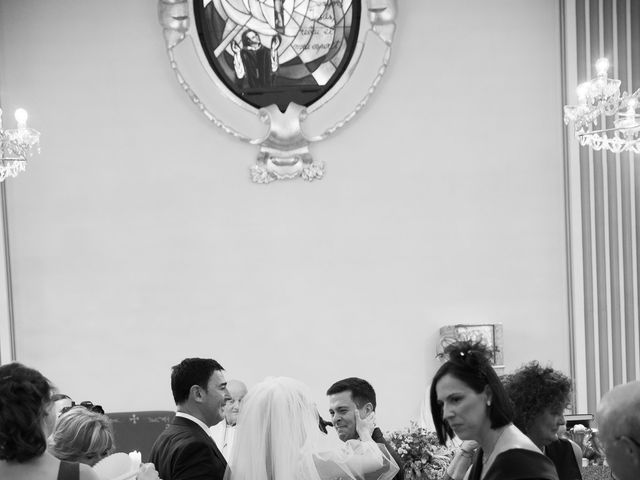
276 422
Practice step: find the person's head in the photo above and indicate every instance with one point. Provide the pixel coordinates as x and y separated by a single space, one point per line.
86 404
277 420
26 416
347 398
618 418
250 39
237 391
83 436
199 388
61 401
467 398
539 396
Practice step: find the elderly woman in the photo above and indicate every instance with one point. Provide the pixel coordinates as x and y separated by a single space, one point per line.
82 435
26 420
468 401
539 396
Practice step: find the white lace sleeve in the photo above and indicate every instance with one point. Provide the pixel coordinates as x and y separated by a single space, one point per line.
351 460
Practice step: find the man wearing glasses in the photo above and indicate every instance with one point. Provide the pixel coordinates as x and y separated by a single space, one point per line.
619 430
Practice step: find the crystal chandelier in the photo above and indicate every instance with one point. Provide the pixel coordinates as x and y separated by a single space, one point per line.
16 145
599 99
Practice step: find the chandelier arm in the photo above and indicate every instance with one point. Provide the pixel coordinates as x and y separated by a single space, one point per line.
604 130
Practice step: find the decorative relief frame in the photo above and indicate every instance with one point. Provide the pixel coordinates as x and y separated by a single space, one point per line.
265 56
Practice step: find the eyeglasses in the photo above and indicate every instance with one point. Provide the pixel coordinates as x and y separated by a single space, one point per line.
86 404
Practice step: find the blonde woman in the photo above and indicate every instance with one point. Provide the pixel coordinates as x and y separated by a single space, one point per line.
83 436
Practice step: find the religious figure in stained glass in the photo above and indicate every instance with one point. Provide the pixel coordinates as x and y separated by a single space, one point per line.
278 51
280 61
255 62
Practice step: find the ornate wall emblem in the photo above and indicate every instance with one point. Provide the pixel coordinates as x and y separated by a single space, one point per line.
279 61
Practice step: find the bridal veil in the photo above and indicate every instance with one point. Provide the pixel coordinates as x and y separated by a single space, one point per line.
278 438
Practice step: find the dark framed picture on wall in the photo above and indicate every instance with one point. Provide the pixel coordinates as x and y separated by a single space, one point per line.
488 333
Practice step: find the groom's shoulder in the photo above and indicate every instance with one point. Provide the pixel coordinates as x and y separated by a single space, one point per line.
377 436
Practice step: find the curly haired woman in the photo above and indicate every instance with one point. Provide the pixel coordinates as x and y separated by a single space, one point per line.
539 396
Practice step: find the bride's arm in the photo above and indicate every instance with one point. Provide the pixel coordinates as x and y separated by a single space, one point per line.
356 458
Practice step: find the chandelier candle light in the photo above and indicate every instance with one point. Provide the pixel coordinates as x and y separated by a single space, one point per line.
599 99
16 145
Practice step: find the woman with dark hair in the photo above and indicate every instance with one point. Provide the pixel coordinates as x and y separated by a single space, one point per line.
539 396
26 420
468 401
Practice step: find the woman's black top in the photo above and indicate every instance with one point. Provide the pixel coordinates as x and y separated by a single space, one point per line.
515 464
69 471
561 454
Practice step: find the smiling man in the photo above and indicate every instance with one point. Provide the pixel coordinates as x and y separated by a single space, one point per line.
185 450
350 397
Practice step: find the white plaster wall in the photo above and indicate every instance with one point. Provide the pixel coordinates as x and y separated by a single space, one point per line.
137 238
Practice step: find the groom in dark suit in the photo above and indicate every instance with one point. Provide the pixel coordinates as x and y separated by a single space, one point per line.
185 450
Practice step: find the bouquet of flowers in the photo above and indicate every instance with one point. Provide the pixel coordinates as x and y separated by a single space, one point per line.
423 457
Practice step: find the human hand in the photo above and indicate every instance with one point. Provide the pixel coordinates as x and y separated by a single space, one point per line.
462 460
468 447
235 48
275 41
365 424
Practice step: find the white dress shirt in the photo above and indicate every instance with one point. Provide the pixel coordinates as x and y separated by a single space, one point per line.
223 435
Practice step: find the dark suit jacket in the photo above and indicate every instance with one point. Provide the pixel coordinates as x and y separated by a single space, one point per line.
377 437
185 452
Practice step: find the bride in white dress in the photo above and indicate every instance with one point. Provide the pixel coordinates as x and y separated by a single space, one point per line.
278 438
